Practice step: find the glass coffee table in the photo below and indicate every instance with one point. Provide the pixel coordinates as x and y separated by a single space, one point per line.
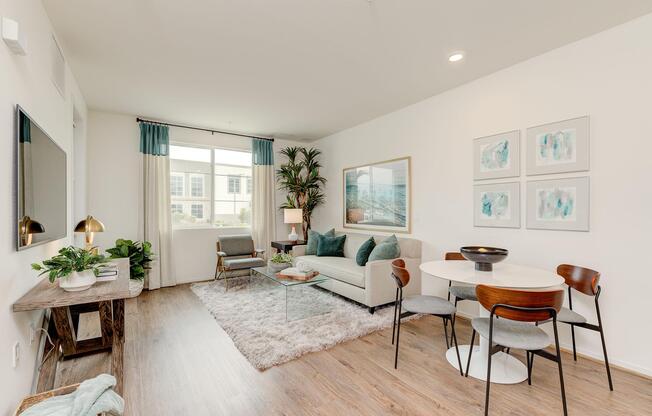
301 299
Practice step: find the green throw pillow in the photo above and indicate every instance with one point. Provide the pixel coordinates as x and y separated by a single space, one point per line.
364 251
387 249
311 246
330 246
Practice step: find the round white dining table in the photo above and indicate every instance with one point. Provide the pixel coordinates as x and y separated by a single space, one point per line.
505 369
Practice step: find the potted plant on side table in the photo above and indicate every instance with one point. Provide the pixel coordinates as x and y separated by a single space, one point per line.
76 268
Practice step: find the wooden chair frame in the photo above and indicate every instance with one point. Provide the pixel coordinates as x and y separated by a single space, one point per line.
221 269
525 314
585 281
402 280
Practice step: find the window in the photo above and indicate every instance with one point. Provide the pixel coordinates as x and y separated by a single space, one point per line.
206 187
234 184
197 186
176 184
197 211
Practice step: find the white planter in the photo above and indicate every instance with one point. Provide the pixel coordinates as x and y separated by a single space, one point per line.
77 281
277 267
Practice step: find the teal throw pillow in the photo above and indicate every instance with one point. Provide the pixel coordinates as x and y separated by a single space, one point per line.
364 251
387 249
330 246
311 246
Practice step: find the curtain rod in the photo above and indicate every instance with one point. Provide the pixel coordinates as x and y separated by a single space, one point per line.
138 119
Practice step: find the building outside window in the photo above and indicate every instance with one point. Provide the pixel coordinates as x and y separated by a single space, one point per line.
206 187
197 211
234 184
176 184
197 186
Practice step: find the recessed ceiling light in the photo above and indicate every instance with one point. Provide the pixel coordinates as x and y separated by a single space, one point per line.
456 56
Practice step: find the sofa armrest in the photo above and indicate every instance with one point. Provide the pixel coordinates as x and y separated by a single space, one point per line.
299 250
380 287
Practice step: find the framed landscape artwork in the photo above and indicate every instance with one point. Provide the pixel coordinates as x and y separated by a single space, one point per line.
377 196
559 204
497 205
558 147
496 156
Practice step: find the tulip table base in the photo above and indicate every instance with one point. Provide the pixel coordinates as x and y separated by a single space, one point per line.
505 369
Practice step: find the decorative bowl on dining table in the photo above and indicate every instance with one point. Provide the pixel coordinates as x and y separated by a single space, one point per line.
484 257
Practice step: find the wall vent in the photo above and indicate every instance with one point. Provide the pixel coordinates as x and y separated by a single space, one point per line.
58 68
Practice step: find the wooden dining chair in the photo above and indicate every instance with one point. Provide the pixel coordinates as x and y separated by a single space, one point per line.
521 309
584 281
459 292
419 304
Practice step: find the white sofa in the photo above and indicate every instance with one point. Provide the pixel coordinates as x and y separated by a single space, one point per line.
371 285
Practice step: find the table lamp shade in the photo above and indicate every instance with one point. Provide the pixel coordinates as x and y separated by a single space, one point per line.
293 216
89 224
89 227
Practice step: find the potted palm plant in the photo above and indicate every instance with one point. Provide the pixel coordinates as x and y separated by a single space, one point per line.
300 177
76 268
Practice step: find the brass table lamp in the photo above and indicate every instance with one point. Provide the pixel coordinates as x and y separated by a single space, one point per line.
89 227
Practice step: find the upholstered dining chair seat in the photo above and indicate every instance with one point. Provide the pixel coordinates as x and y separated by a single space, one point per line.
513 334
570 316
246 263
432 305
463 292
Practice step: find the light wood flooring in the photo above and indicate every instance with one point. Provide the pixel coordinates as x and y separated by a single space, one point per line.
178 361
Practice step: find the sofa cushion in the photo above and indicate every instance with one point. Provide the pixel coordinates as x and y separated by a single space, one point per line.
364 251
338 268
387 249
330 246
311 245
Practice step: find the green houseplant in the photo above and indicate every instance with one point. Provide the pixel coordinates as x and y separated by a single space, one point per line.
300 177
280 261
139 253
76 268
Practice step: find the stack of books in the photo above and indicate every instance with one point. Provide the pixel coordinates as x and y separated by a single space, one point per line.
107 272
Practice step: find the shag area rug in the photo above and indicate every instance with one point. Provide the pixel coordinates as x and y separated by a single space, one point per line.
253 314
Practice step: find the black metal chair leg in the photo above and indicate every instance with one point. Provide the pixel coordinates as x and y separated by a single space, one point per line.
398 334
457 349
468 360
486 400
606 360
573 338
453 320
394 322
446 334
561 372
530 363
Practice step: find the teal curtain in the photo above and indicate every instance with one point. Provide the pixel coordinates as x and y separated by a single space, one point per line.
25 129
262 152
154 139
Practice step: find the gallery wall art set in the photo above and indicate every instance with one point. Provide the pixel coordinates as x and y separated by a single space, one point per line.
551 204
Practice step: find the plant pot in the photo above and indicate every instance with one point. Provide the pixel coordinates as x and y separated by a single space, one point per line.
77 281
277 267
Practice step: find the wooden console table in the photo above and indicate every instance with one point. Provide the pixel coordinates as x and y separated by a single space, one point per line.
108 298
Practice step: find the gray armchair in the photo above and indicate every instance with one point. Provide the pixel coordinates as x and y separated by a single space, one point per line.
236 253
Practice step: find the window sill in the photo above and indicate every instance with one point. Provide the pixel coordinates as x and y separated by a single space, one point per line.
209 227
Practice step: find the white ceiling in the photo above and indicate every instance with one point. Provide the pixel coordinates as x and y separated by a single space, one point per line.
303 69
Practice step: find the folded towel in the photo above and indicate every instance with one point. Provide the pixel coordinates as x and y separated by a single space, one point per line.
93 396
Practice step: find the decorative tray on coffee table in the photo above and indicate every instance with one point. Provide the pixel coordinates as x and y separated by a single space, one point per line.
309 276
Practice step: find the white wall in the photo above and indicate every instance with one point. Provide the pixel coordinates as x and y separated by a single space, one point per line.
114 165
607 76
26 80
